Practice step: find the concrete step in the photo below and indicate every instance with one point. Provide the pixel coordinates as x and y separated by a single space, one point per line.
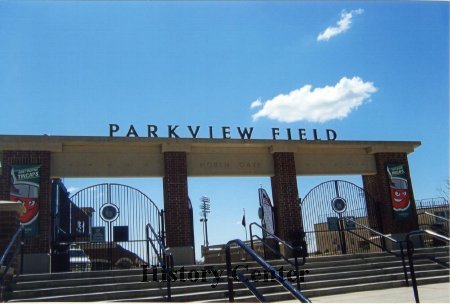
284 295
94 278
327 275
152 290
351 270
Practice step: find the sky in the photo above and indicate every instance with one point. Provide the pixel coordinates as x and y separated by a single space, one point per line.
369 70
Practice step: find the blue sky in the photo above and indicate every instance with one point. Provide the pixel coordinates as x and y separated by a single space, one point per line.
73 67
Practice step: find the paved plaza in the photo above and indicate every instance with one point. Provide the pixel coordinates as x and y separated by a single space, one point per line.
432 293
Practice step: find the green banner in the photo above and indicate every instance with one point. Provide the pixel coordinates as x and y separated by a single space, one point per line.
25 183
400 193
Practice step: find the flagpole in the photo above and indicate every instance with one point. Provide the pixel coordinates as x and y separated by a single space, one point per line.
245 226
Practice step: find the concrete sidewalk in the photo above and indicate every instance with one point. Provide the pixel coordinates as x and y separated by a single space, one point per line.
432 293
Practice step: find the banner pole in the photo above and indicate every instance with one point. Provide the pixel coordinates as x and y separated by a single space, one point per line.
245 226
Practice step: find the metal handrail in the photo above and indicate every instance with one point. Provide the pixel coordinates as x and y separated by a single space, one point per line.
435 216
296 250
19 233
166 263
283 281
410 250
439 222
251 287
383 246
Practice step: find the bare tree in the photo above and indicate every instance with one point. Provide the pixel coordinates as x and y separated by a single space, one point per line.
444 190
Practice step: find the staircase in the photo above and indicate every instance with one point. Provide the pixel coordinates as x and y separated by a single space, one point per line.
327 276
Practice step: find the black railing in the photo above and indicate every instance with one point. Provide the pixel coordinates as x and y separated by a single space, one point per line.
244 279
297 251
431 203
410 249
165 258
16 243
383 246
434 222
275 274
436 216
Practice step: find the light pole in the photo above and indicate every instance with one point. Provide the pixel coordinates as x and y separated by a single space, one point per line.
205 208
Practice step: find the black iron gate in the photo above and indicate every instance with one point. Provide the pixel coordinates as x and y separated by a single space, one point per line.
323 210
104 227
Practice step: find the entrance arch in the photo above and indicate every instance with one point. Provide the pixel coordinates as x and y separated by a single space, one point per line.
176 159
322 213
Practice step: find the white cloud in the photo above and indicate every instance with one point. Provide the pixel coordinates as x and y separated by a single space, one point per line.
256 104
342 25
319 104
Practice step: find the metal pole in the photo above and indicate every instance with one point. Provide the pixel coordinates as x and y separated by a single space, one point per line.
411 269
402 254
342 235
206 232
147 244
297 274
251 237
22 246
163 232
110 246
245 226
205 209
229 274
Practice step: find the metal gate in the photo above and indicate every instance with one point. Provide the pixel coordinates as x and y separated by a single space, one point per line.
434 214
323 210
104 227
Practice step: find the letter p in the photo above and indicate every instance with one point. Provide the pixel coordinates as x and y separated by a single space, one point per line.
113 128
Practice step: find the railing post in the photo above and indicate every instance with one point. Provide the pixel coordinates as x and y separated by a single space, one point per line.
229 274
165 259
383 244
411 269
163 231
147 245
297 273
170 267
251 236
341 227
402 254
22 246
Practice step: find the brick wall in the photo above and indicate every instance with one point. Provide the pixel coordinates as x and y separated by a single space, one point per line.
9 222
378 187
285 196
176 206
40 243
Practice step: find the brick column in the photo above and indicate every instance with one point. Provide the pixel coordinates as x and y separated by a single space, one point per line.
37 248
177 214
378 187
285 197
9 222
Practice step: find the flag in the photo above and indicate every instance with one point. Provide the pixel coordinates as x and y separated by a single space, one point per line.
267 220
243 220
265 198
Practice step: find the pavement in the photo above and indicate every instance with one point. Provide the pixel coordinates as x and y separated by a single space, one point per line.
431 293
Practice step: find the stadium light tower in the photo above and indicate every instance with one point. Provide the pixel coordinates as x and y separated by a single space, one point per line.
205 208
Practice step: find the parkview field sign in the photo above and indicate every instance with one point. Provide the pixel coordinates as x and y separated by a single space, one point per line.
224 132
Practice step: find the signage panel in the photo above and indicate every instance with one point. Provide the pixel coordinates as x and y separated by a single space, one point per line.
25 184
98 234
